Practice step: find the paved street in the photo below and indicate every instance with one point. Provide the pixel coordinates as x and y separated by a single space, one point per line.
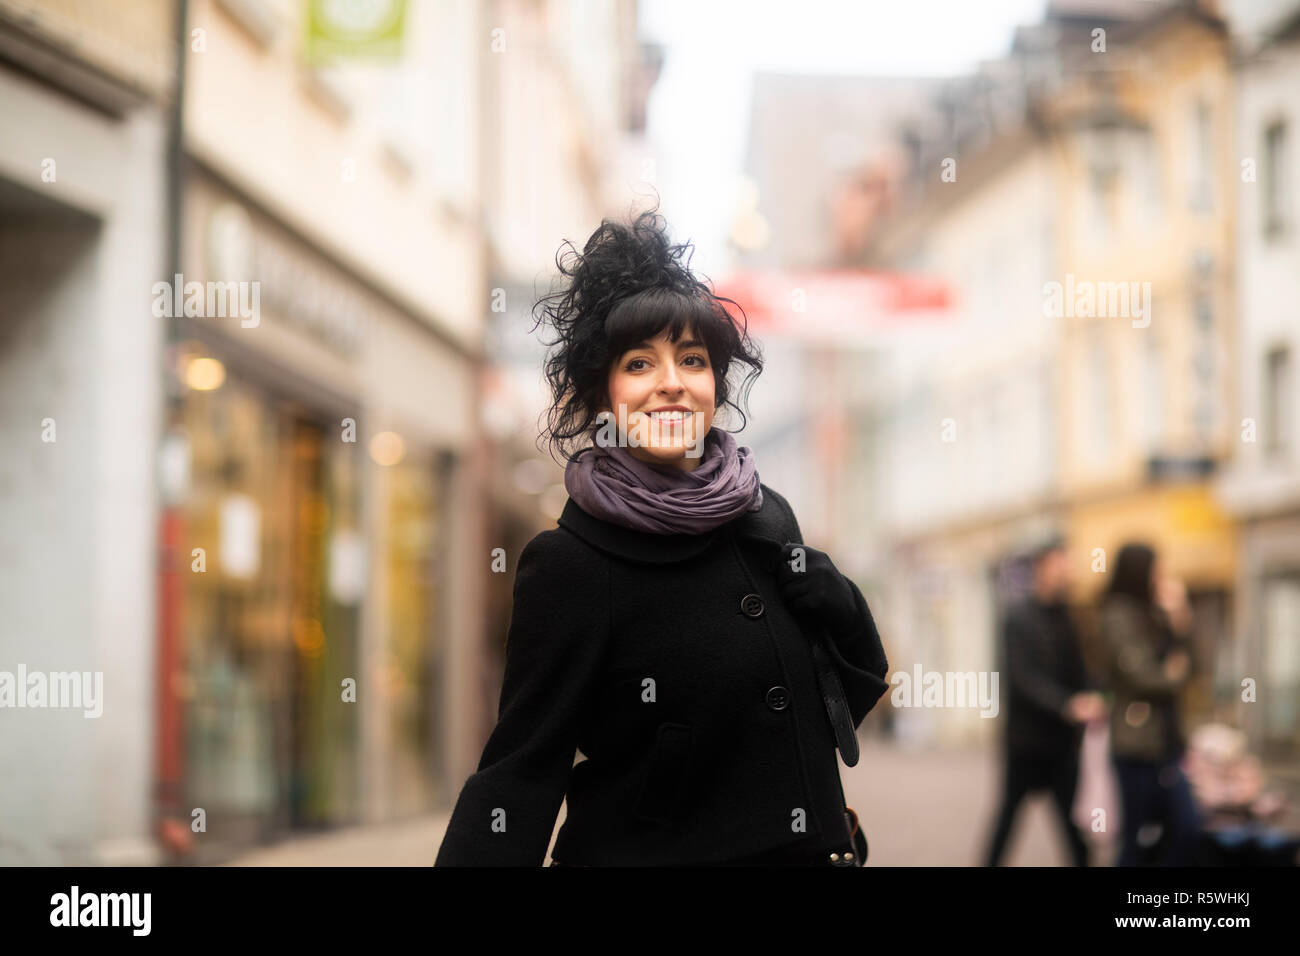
929 808
935 808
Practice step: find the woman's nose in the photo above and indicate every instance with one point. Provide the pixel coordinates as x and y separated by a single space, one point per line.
669 382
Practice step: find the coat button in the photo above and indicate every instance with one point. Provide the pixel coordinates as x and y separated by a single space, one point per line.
778 698
751 605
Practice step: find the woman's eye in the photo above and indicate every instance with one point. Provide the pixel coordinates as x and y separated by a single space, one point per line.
631 366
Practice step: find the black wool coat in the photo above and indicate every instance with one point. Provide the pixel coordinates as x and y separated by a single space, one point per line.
1043 664
671 663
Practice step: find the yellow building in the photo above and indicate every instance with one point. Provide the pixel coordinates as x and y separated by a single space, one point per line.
1078 197
1141 133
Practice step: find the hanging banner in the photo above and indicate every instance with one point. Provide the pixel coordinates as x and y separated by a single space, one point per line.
354 29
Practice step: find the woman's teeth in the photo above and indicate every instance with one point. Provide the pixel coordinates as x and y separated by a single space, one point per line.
669 416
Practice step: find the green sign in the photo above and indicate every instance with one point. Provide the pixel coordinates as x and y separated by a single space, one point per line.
351 29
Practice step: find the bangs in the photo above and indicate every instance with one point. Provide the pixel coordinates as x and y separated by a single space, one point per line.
645 315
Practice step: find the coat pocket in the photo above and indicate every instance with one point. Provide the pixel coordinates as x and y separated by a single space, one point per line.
664 791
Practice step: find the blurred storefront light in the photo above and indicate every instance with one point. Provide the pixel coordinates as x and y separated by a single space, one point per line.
347 566
240 541
204 374
309 636
387 449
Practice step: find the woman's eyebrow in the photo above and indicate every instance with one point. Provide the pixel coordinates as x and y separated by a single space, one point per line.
688 344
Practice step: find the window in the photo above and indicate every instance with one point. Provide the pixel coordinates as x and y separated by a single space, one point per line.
1153 394
1101 205
1147 181
1275 195
1099 390
1203 367
1202 166
1277 401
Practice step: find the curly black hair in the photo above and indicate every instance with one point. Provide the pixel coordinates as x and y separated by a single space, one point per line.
630 283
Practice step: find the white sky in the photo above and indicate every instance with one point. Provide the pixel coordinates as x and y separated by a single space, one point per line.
698 111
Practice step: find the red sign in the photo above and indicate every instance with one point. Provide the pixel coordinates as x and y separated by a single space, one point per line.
835 306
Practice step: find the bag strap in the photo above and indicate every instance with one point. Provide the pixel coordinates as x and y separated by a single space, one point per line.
837 705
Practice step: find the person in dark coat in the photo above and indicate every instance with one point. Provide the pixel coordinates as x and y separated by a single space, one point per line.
663 629
1049 701
1146 626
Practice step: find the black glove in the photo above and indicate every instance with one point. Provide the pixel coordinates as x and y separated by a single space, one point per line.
819 592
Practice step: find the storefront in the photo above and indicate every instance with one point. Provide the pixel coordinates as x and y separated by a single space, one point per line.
310 519
270 629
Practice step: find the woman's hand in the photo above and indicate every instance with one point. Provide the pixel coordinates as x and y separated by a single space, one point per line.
812 586
1085 707
1176 665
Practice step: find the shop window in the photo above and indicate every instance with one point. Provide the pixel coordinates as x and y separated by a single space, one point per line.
270 627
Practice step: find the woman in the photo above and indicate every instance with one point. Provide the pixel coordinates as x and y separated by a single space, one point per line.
664 628
1145 623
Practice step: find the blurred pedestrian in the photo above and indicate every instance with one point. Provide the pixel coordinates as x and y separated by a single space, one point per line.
1145 623
660 628
1049 700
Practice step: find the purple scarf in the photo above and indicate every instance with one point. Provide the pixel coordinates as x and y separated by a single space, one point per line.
610 484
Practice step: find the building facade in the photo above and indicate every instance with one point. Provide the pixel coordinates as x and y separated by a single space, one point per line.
968 437
85 95
331 448
1083 202
1261 487
1147 172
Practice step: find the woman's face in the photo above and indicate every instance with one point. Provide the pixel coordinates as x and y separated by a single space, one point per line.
658 375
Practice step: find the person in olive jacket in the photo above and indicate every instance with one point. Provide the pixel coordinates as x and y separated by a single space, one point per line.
664 628
1145 623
